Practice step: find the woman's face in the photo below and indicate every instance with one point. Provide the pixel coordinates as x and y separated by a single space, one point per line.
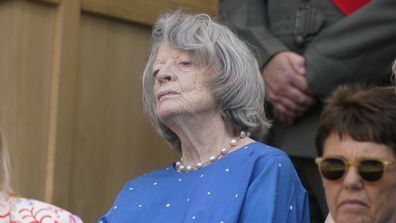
352 199
180 85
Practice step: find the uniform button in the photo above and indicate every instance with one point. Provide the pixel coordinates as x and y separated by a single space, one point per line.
299 41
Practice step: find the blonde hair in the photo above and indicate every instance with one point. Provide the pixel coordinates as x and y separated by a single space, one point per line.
5 175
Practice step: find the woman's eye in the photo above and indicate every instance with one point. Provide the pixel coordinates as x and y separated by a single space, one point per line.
185 63
155 73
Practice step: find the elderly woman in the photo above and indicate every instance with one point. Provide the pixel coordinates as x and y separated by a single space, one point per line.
357 143
203 91
14 209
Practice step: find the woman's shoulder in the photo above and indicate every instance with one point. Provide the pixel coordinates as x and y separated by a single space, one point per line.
263 150
143 179
266 156
29 210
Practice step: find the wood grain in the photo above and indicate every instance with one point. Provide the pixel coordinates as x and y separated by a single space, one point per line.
147 11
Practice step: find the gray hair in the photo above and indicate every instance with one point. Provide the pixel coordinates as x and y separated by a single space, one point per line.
237 85
394 67
393 77
5 175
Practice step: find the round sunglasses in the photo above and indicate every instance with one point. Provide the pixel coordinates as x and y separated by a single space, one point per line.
334 168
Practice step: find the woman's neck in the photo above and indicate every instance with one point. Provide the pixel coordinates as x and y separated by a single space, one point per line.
203 137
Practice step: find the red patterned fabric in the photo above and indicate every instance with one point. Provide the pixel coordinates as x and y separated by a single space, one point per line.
21 210
349 6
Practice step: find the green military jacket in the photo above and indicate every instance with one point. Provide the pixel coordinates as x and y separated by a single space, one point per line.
337 49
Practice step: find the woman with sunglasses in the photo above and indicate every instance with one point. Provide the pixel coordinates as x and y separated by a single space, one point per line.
356 140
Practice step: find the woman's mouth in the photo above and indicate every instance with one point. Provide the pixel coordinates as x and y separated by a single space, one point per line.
165 93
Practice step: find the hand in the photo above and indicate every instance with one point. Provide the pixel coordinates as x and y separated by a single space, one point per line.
286 86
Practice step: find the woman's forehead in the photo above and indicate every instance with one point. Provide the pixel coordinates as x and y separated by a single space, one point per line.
347 147
166 51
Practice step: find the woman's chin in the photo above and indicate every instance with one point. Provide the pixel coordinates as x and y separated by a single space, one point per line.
168 116
353 218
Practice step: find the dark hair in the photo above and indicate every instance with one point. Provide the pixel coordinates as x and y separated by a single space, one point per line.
365 113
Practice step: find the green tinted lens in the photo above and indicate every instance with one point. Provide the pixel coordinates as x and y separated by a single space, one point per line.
332 168
371 170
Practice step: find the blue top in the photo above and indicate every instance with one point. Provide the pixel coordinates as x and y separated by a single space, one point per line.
256 183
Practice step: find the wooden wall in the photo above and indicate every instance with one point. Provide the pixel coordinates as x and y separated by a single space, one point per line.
70 75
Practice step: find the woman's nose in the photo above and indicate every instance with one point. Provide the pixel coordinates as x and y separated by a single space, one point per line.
165 74
352 180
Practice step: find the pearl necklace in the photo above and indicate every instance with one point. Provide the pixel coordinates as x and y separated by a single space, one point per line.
181 167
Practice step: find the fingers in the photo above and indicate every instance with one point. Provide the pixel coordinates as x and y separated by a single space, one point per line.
287 104
283 115
291 98
286 86
297 62
301 83
299 97
287 110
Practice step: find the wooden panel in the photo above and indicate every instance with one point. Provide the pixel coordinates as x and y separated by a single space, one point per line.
147 11
49 1
26 32
63 103
71 102
114 141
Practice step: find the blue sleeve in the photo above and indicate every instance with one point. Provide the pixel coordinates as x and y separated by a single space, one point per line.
275 193
108 217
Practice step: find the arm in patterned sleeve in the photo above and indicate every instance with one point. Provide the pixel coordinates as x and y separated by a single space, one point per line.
22 210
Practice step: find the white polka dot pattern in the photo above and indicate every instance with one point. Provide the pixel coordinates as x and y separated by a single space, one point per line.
214 193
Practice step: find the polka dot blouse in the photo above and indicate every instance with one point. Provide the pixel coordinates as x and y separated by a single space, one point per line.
255 183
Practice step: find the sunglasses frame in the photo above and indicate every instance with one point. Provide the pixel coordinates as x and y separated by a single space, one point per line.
348 163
